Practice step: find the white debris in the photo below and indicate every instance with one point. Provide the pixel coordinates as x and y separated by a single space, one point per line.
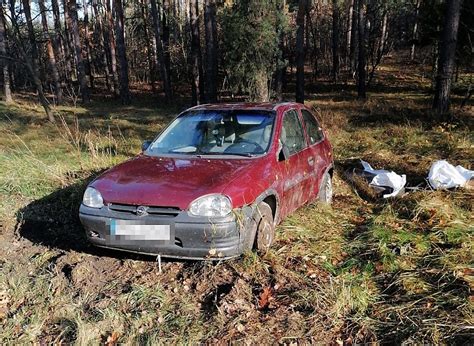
444 175
386 178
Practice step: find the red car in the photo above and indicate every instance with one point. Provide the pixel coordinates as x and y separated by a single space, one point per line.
212 184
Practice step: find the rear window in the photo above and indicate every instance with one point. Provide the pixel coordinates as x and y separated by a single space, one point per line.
314 131
292 135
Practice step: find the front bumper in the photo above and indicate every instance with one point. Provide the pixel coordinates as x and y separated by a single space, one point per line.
192 237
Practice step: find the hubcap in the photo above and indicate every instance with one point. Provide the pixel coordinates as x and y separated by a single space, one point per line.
265 233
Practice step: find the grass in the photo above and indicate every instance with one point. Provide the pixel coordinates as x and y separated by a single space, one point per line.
365 270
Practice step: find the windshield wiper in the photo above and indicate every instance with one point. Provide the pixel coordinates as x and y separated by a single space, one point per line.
240 154
201 153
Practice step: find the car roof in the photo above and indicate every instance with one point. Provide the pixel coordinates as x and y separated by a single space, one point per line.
266 106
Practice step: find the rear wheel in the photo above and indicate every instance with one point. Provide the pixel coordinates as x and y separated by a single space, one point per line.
265 227
325 190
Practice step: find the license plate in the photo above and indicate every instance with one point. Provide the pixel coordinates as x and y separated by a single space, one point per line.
137 230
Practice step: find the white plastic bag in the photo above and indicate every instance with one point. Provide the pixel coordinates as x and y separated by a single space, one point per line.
386 178
444 175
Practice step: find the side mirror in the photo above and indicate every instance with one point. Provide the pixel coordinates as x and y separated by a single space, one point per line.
283 152
145 145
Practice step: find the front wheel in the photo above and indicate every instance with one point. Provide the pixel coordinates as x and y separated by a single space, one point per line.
325 190
265 228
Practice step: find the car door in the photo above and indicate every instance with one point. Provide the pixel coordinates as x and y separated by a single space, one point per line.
293 163
316 153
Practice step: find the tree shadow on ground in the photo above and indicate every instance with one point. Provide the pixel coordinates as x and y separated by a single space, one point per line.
104 115
401 304
53 221
402 115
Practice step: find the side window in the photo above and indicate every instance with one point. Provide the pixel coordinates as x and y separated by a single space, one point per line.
315 133
292 135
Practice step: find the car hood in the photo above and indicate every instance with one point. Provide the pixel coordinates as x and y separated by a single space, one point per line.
167 182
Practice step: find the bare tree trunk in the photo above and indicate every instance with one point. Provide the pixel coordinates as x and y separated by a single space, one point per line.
261 93
151 65
51 53
315 55
281 69
468 95
4 78
165 73
307 43
68 50
280 73
434 62
81 70
202 94
447 53
87 43
11 73
415 30
211 49
57 24
196 57
165 22
349 33
33 64
361 92
382 49
300 51
103 48
173 13
354 43
384 34
111 41
335 40
12 79
123 62
58 46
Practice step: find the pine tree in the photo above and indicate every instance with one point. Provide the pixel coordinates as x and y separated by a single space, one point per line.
447 53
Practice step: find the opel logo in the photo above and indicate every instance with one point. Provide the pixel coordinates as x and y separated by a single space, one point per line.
141 211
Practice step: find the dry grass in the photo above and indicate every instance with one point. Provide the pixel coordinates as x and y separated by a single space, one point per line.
364 270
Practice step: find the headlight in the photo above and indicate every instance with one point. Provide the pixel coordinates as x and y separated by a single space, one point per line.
92 198
211 205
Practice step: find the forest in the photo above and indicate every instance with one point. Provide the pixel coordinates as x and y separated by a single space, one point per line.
85 82
223 50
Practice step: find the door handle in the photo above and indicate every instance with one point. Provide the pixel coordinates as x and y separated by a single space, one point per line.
310 161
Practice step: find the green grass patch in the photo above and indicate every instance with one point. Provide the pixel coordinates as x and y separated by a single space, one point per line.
363 270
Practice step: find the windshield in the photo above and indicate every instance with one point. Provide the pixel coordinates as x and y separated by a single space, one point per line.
243 133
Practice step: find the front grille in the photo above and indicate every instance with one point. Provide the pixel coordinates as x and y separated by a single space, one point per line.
132 209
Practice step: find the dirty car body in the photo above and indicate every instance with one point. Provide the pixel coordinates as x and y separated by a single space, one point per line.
198 190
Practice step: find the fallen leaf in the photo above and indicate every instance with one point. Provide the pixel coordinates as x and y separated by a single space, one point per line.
265 297
468 271
379 267
112 339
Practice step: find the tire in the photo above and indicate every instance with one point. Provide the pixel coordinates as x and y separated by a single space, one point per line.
325 189
265 228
